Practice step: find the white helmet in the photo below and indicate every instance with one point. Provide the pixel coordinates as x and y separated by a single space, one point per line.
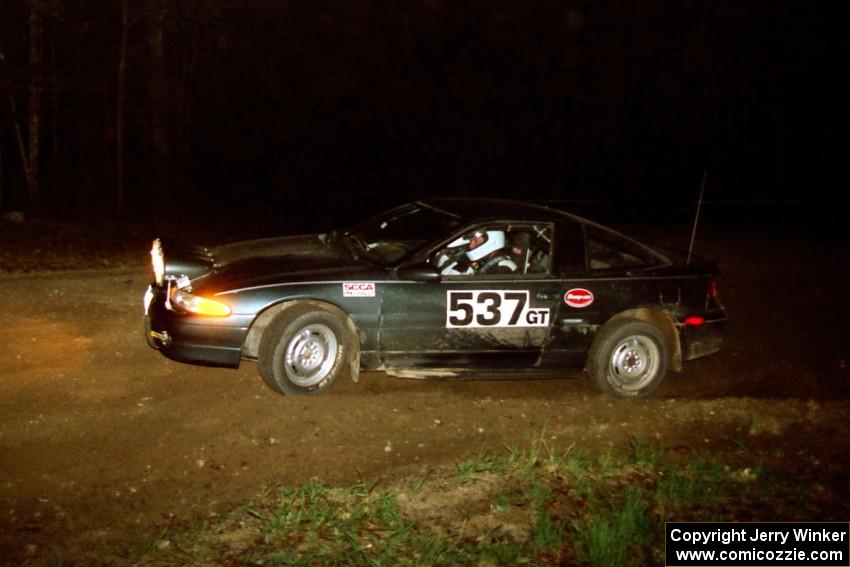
494 240
458 242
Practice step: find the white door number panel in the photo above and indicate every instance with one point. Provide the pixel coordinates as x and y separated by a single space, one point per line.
493 308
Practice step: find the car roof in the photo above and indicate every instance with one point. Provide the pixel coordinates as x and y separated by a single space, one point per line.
473 209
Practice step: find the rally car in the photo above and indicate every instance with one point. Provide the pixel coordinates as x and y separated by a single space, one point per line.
438 288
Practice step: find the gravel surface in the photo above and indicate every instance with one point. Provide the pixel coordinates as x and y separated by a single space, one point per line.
104 443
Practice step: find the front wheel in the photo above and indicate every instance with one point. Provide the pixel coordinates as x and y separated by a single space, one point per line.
628 359
304 350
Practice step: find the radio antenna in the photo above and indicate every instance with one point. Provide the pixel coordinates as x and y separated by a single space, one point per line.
696 218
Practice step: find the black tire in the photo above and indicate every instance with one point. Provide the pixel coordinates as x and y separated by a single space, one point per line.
629 359
304 350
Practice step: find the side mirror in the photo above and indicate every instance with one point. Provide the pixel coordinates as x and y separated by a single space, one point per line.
420 272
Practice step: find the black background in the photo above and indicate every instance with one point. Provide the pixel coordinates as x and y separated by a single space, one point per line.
300 110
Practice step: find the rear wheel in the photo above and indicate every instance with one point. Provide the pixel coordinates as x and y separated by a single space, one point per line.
628 359
304 350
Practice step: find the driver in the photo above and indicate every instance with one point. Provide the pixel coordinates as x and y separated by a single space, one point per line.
480 252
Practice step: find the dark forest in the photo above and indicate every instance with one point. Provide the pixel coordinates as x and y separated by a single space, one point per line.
142 106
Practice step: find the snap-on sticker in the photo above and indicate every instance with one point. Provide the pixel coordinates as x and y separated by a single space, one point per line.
358 289
578 297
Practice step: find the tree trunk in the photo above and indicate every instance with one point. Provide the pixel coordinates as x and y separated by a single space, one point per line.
158 88
183 95
16 121
34 104
119 112
1 171
54 98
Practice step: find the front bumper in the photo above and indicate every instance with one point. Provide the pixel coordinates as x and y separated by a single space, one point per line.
209 341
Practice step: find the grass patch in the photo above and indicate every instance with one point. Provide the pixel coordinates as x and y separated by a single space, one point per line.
617 535
482 463
532 506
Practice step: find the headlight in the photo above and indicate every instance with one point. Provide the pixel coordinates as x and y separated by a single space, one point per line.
199 305
158 262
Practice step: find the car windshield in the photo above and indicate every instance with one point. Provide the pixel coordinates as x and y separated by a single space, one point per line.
394 235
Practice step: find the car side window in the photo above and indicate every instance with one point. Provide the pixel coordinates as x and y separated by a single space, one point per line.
497 249
605 254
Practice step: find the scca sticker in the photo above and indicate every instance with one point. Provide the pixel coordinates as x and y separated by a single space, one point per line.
578 297
493 308
358 289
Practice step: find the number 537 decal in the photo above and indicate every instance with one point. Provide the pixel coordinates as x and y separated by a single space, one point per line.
493 308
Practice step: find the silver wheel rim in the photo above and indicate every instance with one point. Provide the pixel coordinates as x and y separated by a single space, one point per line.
310 355
634 364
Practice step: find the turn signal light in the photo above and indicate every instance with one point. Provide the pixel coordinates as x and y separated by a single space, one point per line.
199 305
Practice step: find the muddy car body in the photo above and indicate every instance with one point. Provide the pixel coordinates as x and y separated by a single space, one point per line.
407 292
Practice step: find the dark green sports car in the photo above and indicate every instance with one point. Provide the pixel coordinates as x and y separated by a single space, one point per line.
438 288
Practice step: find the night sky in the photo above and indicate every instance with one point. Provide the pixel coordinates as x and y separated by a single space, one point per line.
258 103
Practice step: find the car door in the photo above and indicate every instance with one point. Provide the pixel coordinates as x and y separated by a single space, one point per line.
477 317
601 276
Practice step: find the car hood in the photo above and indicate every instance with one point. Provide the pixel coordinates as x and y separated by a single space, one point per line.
275 260
305 245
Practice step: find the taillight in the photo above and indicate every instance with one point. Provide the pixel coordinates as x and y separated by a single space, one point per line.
713 289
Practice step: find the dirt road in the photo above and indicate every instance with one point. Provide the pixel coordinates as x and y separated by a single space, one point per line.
104 443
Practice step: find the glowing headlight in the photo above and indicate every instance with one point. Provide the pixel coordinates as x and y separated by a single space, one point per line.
199 305
158 262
